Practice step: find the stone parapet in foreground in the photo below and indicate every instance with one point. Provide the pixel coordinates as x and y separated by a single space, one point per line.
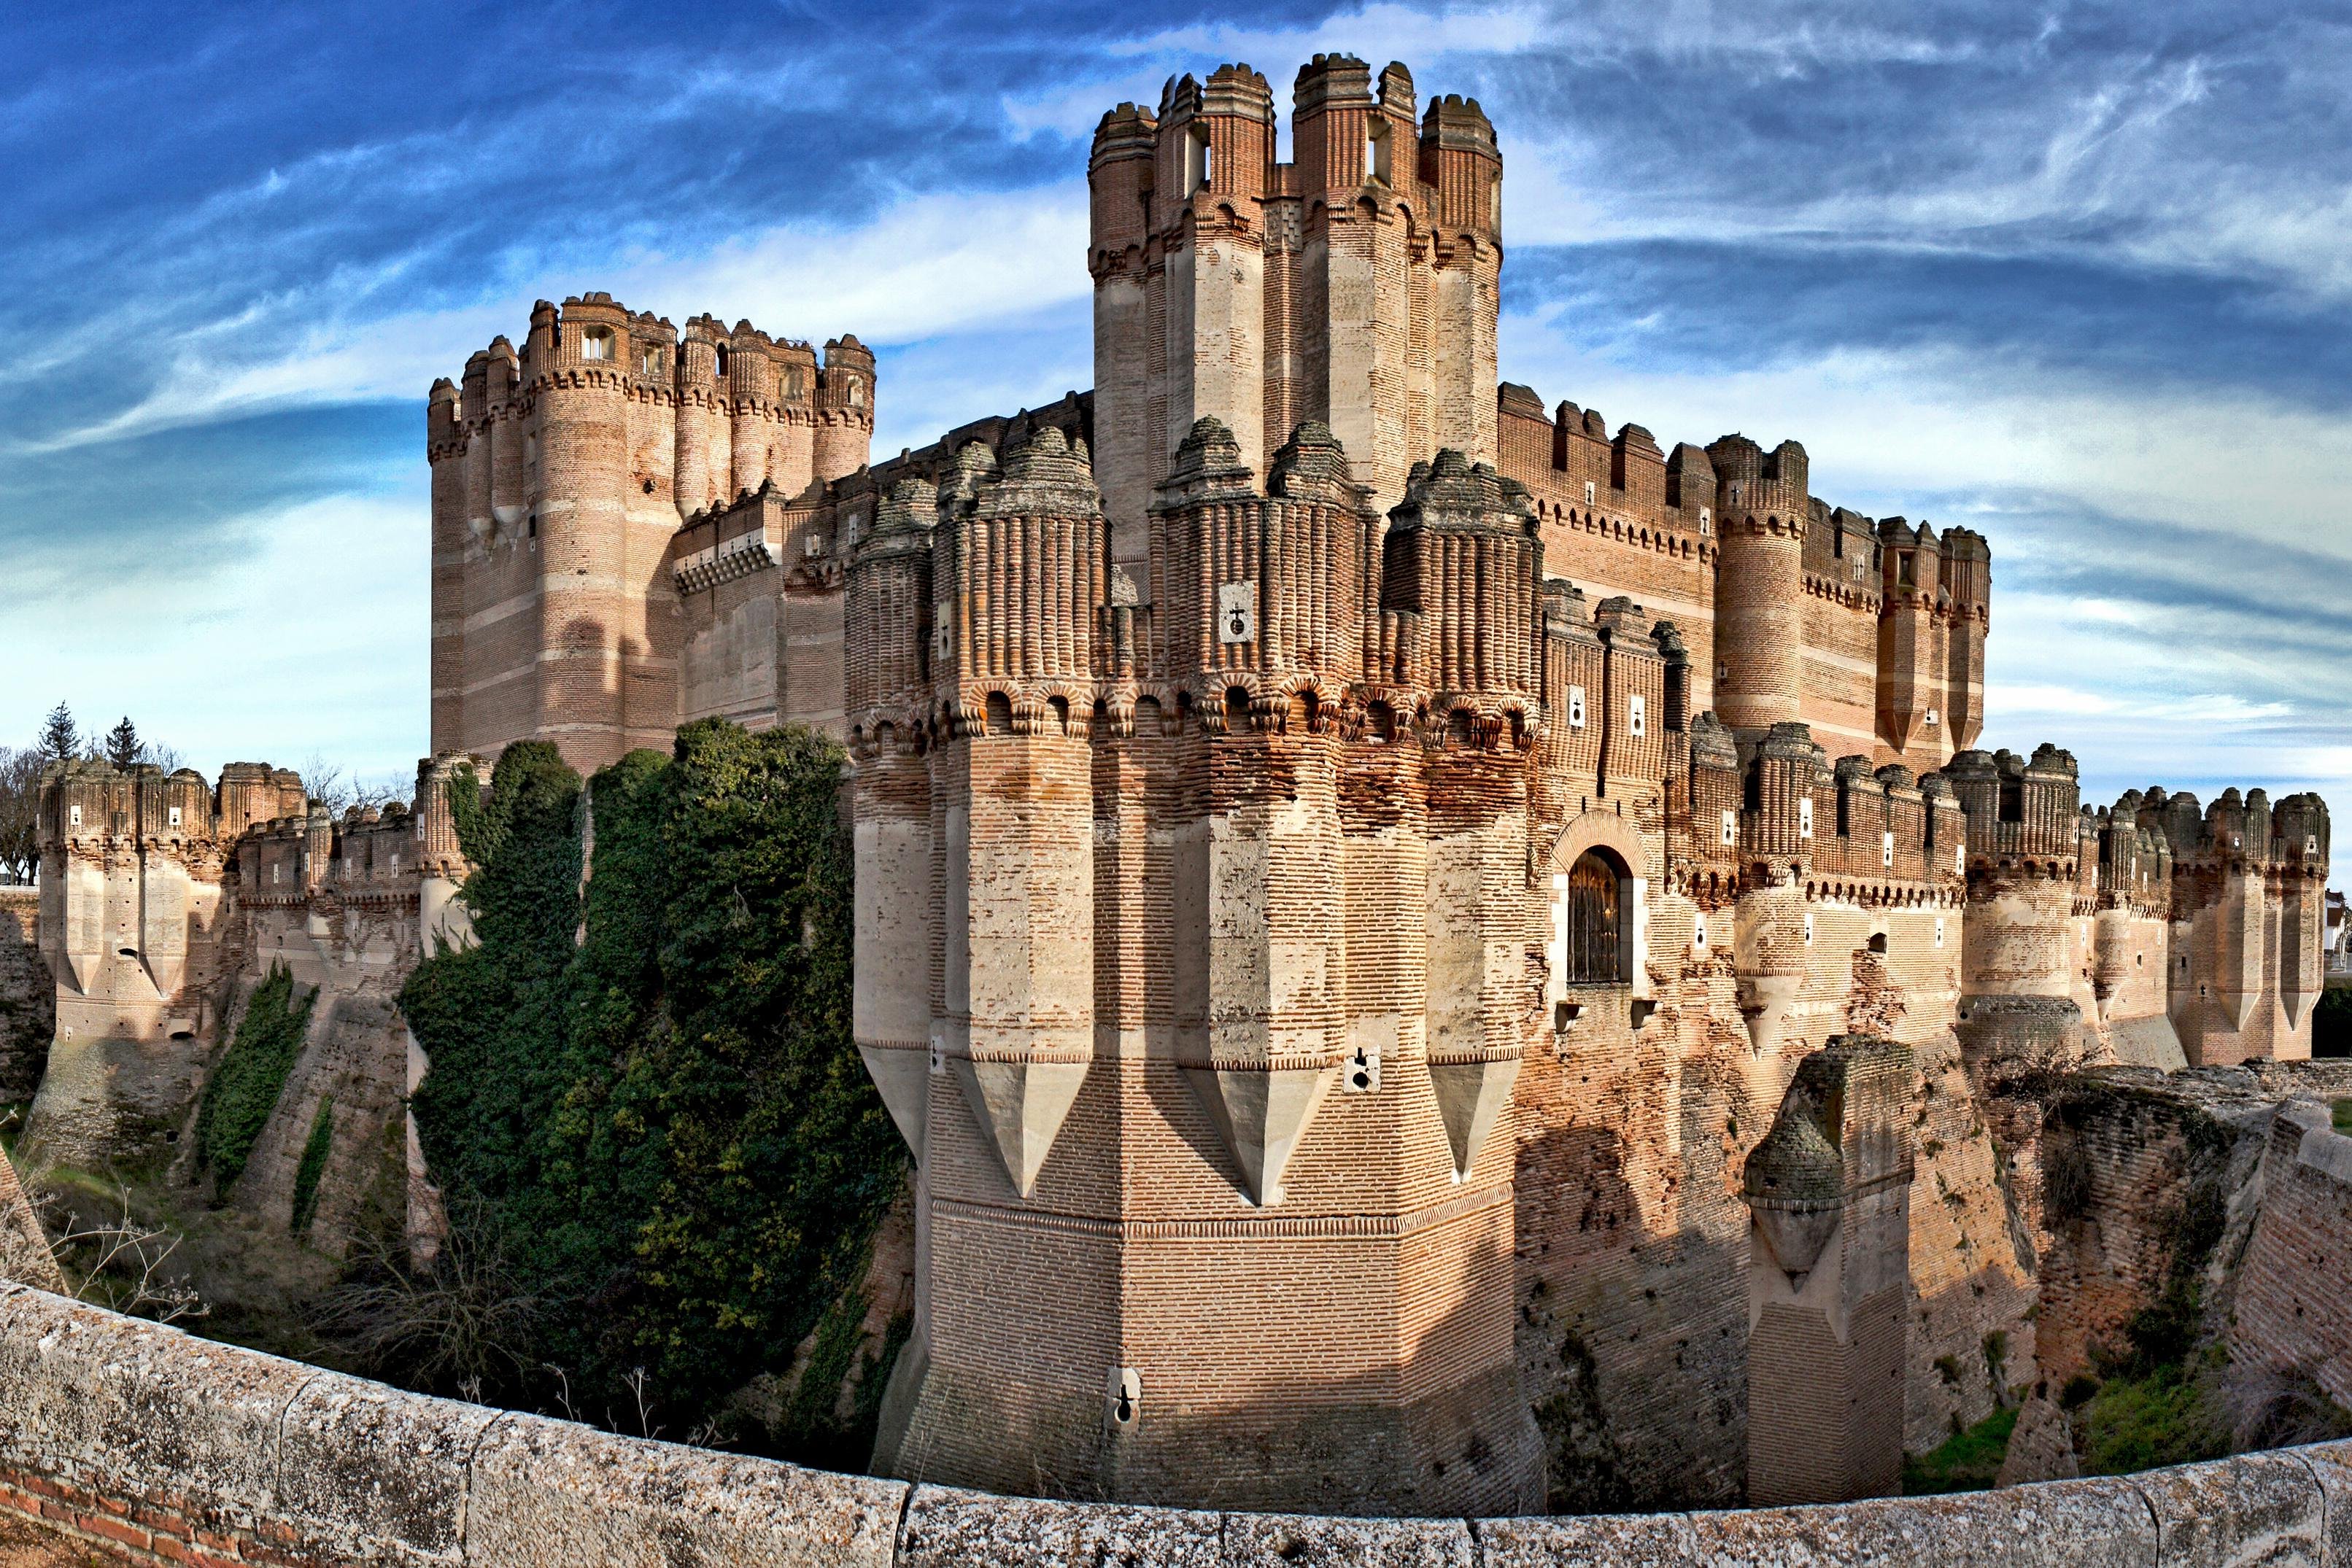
155 1445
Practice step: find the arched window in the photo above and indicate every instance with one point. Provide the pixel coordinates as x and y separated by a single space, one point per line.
1595 930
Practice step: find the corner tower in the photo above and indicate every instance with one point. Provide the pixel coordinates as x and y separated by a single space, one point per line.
1354 287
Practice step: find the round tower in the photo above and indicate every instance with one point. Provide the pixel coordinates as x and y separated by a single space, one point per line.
579 522
1125 458
705 428
845 409
1762 505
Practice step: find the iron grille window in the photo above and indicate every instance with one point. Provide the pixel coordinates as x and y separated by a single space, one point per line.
1593 947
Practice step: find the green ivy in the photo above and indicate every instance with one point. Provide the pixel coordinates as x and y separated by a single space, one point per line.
650 1082
315 1150
244 1088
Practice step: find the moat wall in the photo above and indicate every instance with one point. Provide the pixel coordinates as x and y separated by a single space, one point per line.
153 1446
29 998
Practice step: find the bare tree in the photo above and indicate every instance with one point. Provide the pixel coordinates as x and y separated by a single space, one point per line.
118 1261
337 789
457 1326
20 808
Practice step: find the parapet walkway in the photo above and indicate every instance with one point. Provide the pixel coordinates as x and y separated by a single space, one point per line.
156 1446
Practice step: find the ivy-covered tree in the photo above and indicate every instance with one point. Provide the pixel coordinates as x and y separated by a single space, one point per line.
651 1086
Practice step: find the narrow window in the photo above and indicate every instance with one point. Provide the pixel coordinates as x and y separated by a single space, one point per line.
1731 827
722 361
1576 707
1636 716
1588 492
1197 170
1376 153
649 363
1705 521
1809 928
1886 850
1805 818
1595 955
73 815
175 816
1940 933
1931 719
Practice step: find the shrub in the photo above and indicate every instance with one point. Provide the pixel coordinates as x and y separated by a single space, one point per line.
244 1088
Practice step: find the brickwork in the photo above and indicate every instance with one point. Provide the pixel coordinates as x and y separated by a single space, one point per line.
2293 1302
562 474
1226 741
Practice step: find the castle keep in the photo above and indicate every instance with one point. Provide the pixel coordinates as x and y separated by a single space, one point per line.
1434 956
1377 852
561 475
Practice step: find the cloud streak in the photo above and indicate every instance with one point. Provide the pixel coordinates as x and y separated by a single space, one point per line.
2072 274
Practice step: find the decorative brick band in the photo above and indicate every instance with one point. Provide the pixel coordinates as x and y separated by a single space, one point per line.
156 1448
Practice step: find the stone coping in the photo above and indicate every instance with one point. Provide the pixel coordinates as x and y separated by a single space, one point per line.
161 1447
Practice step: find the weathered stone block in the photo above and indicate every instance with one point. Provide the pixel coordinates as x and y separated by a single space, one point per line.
1591 1541
140 1409
377 1473
2257 1508
2331 1466
549 1494
1309 1541
947 1527
2065 1524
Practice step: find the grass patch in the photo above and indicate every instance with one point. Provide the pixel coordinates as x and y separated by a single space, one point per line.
2340 1113
2139 1423
251 1076
1965 1461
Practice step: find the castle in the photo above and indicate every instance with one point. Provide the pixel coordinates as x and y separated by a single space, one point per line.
1422 945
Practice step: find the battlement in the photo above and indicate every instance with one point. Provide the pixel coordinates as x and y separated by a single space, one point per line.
1846 825
2021 810
2237 831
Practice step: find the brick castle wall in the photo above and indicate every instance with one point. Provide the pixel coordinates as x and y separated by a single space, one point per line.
2294 1304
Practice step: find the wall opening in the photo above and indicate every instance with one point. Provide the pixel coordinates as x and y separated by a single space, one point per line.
1000 713
1597 904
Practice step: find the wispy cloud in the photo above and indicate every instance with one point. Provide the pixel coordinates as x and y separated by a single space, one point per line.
2071 274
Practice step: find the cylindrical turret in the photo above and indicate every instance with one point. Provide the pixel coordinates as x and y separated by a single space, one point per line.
751 398
580 514
845 409
1761 508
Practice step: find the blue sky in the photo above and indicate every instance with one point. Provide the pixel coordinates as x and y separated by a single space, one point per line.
2079 277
